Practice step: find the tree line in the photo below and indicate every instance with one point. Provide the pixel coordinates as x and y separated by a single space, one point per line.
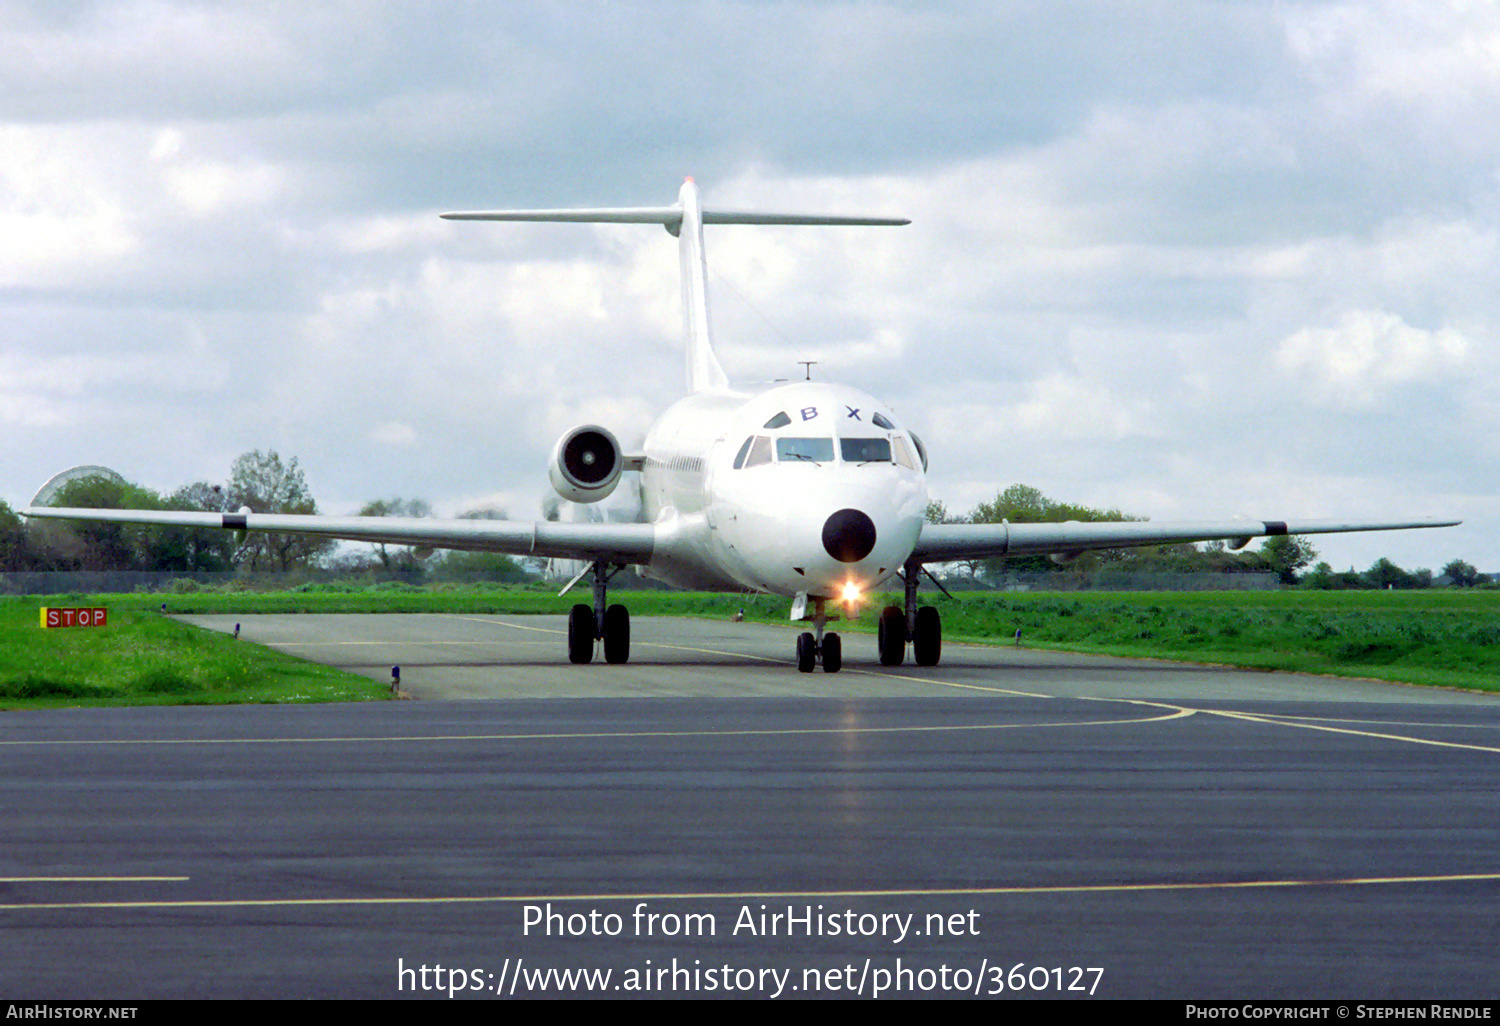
259 481
1287 556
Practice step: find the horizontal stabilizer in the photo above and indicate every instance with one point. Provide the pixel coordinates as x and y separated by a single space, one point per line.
603 215
671 217
685 221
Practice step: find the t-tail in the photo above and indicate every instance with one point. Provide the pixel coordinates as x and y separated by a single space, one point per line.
686 221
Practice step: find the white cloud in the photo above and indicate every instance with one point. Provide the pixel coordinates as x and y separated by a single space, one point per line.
206 186
1403 50
1368 353
61 211
394 433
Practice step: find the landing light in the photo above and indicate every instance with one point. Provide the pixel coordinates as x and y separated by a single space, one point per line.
851 592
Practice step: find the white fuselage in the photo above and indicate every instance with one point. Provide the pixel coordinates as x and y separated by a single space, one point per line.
743 489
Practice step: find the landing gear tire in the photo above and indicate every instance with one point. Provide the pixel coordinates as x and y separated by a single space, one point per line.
616 634
892 637
807 652
927 639
833 653
581 634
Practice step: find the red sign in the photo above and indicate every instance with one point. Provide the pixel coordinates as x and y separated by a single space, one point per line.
73 617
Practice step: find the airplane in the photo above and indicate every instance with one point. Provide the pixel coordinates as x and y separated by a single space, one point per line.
807 489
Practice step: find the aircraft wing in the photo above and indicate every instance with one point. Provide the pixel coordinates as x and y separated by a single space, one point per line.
619 543
944 542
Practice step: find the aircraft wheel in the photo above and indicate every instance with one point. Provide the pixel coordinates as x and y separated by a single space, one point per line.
581 633
807 652
927 639
892 636
616 634
833 653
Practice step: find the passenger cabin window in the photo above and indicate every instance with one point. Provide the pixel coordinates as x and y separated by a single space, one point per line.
810 450
865 450
781 420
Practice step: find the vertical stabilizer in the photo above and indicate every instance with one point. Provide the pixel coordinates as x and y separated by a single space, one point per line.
686 221
704 373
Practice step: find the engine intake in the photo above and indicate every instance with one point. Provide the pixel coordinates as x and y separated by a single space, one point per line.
586 464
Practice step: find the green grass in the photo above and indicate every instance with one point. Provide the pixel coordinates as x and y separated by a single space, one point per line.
1445 638
143 658
1448 638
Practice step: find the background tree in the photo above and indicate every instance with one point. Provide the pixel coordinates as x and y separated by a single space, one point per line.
1462 574
937 513
461 565
1286 555
205 549
97 546
1215 557
1023 504
18 554
1385 574
1319 578
266 484
397 558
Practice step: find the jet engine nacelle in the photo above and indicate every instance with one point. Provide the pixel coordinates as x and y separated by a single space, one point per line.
586 464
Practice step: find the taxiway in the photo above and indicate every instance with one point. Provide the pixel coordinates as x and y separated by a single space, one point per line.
1191 832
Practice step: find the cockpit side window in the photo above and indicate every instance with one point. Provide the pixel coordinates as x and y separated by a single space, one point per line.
902 453
781 420
921 449
739 457
811 450
759 451
865 450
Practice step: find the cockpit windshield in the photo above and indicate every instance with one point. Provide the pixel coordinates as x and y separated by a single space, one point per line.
813 450
865 450
757 450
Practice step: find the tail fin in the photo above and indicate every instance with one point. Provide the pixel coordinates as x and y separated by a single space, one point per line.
704 374
686 221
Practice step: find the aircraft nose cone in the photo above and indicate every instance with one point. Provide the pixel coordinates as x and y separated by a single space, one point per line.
849 535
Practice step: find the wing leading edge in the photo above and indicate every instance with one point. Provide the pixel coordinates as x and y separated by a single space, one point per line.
635 543
943 542
619 543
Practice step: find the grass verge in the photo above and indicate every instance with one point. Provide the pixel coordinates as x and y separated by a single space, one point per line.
1445 638
143 658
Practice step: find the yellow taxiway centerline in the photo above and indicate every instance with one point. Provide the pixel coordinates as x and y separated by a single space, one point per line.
921 892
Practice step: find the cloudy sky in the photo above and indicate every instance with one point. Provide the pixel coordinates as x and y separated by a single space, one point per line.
1186 258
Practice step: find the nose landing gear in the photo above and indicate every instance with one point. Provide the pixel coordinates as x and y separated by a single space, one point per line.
815 646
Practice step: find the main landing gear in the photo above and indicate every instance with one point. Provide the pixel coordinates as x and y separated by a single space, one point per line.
815 646
587 624
923 626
